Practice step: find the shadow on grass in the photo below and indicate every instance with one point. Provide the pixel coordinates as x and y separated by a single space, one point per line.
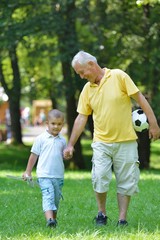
13 157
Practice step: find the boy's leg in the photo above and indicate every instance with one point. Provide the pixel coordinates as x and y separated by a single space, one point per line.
58 184
48 201
50 214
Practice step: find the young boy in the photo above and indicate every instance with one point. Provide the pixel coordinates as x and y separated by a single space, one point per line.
48 149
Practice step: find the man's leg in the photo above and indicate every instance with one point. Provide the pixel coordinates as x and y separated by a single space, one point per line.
123 204
101 218
101 202
126 170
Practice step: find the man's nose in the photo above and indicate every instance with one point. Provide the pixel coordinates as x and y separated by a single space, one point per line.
81 76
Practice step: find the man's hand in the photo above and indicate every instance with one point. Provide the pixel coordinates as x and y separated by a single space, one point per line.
154 132
68 152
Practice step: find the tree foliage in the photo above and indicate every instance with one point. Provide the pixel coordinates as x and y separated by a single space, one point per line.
39 38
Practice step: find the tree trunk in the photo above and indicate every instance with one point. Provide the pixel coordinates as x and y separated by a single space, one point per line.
14 98
67 40
144 149
143 138
71 115
15 121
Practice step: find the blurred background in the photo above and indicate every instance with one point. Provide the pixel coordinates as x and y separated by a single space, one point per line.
38 40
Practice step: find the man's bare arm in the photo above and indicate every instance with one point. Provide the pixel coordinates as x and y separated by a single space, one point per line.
78 127
154 130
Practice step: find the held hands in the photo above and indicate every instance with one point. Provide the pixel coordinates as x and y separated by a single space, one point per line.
68 152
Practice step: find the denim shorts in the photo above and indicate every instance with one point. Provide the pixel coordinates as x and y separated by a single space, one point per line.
51 192
123 159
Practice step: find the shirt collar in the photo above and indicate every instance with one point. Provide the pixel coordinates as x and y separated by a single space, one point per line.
107 74
50 135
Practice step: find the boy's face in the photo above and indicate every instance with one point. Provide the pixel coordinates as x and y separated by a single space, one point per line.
55 125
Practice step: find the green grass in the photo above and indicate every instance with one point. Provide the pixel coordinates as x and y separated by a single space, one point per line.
155 155
13 157
21 216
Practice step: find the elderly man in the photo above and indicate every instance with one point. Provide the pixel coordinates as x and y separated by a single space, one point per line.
107 95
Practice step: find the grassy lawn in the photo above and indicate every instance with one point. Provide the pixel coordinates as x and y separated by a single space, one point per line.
155 155
21 216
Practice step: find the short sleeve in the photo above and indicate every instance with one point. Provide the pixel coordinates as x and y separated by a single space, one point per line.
83 103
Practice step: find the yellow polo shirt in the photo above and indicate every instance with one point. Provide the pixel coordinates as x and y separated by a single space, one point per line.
110 104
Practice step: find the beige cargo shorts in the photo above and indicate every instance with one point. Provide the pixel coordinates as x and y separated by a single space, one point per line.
120 159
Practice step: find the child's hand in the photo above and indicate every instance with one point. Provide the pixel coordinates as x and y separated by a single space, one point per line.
27 176
68 153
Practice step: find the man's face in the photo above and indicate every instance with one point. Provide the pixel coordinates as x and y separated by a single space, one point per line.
86 71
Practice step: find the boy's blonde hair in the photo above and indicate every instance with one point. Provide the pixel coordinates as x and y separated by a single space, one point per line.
55 113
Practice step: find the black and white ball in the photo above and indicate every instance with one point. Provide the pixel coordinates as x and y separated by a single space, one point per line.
139 120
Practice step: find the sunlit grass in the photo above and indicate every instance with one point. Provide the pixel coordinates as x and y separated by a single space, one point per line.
21 205
22 218
155 155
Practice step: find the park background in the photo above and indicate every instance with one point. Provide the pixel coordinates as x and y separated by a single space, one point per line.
38 40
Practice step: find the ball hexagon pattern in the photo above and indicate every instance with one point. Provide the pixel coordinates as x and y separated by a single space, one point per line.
139 120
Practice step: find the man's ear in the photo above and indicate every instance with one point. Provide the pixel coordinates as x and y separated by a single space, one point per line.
90 63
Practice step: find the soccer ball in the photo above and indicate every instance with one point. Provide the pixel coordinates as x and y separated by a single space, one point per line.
139 120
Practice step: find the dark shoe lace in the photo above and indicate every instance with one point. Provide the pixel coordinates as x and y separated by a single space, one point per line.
101 219
122 223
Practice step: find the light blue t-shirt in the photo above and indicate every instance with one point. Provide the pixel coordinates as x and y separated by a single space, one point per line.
50 151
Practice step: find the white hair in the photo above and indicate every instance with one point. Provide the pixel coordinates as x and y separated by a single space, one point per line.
82 58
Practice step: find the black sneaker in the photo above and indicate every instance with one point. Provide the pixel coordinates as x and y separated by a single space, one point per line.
101 219
52 223
122 223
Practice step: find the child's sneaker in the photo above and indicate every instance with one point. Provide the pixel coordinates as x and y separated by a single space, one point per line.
101 219
52 223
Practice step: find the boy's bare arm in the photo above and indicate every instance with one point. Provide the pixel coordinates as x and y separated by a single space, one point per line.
31 162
